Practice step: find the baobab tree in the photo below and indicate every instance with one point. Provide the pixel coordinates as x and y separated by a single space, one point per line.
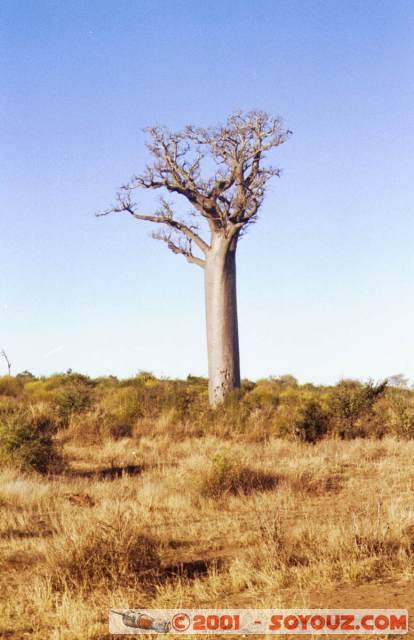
222 206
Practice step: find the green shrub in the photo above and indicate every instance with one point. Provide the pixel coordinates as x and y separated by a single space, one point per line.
351 407
93 410
145 376
119 409
26 441
74 396
286 416
394 414
11 386
313 424
25 376
263 395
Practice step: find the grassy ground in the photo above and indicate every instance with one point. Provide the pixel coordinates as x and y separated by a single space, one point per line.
205 522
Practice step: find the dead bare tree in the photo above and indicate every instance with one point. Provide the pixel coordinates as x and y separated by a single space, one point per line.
224 205
3 354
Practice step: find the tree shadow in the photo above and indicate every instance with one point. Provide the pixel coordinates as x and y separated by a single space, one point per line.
191 569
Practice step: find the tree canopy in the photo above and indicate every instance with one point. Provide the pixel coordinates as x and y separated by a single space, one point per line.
228 200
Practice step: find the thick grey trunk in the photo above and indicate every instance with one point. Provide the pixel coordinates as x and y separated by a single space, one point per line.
221 316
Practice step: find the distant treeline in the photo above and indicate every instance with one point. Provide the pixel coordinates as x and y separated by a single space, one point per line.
90 410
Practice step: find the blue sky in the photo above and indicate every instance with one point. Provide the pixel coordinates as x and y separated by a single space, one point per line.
325 279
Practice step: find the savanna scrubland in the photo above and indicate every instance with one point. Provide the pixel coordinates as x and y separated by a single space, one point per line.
135 493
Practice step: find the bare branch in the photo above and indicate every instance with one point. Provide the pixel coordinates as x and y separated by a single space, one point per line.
164 216
231 198
179 245
3 354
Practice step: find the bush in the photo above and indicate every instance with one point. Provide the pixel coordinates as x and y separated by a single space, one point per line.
120 409
226 476
74 396
394 414
10 386
313 423
113 553
264 394
26 441
351 407
107 408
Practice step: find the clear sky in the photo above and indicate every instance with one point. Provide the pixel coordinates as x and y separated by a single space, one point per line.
325 279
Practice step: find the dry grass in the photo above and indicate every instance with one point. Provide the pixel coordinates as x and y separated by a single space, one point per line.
200 522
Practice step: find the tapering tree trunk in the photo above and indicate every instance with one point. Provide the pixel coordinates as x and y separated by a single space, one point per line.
221 316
